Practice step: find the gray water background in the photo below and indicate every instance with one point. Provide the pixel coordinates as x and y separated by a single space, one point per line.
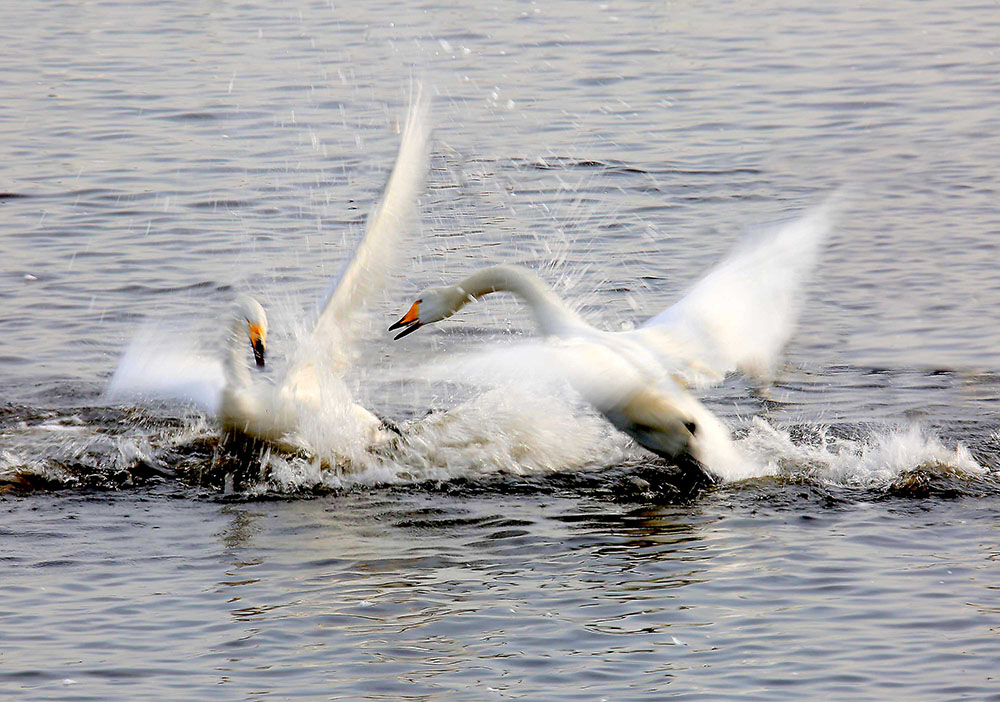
158 158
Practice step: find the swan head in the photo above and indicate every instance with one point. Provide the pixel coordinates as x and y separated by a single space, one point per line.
662 422
249 318
433 305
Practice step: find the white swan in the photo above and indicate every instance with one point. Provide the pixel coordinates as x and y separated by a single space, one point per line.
738 317
275 412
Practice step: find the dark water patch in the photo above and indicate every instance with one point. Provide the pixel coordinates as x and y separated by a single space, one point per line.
656 176
434 519
553 163
138 288
25 482
655 482
117 197
635 52
795 493
601 80
939 482
465 36
707 172
84 448
92 193
13 196
214 205
114 135
190 116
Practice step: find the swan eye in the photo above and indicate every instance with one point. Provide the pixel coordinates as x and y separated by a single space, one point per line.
691 427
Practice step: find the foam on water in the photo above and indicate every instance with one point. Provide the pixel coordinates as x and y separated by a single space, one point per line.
503 431
533 425
511 430
506 431
874 460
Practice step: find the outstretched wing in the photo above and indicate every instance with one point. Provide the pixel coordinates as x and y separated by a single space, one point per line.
744 311
367 272
151 371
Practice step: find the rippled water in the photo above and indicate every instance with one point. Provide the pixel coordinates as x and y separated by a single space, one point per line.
767 593
159 159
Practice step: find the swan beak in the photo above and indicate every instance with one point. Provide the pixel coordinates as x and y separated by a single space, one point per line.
257 342
410 320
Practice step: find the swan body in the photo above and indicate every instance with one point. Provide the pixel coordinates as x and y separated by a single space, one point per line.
311 390
272 412
737 318
611 370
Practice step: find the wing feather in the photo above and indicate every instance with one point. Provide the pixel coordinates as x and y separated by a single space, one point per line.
367 272
149 372
743 312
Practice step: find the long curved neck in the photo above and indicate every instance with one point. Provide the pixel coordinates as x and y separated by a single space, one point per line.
235 365
553 316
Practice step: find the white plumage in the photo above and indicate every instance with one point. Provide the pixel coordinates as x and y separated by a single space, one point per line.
276 412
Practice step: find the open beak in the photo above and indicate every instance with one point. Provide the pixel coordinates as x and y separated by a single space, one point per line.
257 342
410 320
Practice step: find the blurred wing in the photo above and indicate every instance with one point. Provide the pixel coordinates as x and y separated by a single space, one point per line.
147 372
600 373
744 311
367 272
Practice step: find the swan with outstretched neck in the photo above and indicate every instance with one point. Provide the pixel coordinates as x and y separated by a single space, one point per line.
312 387
736 318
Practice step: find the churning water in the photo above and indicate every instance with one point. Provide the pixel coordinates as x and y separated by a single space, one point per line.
160 159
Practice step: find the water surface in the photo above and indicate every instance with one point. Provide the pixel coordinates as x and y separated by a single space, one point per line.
160 159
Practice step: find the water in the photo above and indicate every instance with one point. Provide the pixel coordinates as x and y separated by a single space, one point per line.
158 160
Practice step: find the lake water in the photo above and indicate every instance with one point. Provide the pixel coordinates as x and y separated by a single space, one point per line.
160 158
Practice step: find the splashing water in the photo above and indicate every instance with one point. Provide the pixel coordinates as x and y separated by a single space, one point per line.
501 432
873 461
509 431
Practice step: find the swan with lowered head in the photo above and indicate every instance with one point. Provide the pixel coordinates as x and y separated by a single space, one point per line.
276 412
737 318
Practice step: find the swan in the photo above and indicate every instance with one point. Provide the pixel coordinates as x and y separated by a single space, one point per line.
276 412
738 317
273 412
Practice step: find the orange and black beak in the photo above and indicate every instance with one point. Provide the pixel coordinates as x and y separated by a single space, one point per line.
257 342
410 320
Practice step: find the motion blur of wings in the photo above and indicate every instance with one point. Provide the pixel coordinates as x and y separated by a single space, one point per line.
738 317
225 387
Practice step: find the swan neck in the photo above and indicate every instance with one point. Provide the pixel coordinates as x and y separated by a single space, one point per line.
236 368
553 316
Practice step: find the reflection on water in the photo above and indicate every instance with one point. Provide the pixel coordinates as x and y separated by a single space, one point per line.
374 594
243 527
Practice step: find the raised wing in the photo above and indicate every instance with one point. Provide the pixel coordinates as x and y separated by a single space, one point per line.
744 311
367 272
